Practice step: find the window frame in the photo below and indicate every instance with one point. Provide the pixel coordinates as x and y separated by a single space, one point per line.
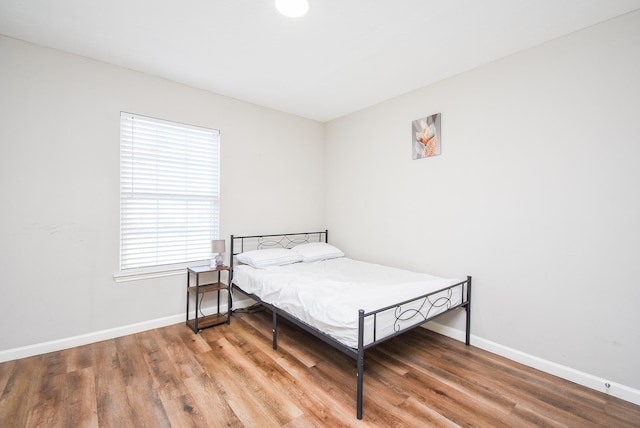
160 149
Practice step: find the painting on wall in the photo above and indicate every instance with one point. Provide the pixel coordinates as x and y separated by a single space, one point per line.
426 136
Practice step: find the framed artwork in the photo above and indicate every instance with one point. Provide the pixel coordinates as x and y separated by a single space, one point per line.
427 141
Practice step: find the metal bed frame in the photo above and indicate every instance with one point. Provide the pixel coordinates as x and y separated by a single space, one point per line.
406 315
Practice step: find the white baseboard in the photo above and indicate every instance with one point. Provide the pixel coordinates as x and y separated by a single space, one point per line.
112 333
594 382
85 339
581 378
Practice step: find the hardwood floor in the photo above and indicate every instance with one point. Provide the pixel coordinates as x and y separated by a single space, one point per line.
230 376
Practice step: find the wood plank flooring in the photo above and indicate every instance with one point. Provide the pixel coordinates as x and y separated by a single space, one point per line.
230 376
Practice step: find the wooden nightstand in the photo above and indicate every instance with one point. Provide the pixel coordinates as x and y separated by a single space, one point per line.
198 287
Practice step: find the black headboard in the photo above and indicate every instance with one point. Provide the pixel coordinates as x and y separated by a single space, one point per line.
240 244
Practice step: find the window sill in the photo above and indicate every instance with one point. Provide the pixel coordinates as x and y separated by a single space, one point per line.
158 272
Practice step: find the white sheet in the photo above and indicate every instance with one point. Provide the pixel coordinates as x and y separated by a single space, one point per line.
328 294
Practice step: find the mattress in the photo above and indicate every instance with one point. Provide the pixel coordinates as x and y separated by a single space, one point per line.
327 295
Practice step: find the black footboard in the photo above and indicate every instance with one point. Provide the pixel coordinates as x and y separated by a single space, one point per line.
408 315
405 315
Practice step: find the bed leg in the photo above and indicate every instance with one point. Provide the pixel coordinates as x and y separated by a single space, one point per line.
229 303
275 329
360 365
468 309
360 384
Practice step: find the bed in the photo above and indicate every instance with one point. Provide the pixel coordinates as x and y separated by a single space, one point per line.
348 304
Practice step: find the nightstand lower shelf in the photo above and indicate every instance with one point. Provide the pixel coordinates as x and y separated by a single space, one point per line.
207 321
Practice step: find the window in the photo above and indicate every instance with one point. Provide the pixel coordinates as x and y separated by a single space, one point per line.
169 192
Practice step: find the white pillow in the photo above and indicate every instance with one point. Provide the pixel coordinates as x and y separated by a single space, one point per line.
315 251
271 257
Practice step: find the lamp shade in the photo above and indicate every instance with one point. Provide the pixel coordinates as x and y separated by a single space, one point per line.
218 246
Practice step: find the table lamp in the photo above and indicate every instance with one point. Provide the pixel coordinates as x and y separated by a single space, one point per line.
217 252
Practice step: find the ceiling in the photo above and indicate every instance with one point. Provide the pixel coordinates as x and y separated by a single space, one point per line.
343 56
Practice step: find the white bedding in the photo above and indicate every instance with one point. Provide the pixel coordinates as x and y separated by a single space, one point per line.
328 294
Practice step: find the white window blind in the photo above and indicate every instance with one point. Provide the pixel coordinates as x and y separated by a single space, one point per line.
169 192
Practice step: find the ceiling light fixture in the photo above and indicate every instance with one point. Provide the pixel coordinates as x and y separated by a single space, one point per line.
292 8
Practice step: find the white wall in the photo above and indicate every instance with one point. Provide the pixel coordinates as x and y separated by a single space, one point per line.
535 195
59 166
